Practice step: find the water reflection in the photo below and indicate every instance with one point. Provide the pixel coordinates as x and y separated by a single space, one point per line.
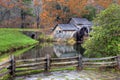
79 49
64 50
53 49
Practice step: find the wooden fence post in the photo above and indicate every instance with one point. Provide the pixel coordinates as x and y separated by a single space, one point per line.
80 66
12 67
118 62
47 66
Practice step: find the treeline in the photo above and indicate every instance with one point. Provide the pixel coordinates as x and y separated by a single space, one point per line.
20 13
47 13
60 11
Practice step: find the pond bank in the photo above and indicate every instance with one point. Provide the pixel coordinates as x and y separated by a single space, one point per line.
6 56
12 40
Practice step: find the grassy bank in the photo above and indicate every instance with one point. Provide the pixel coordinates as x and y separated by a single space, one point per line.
11 40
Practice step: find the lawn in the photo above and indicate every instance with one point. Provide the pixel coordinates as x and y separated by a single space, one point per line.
11 39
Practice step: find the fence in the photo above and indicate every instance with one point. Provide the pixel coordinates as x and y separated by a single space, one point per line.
101 62
14 67
3 66
46 64
7 67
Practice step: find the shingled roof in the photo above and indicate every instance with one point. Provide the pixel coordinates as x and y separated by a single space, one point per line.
66 27
81 21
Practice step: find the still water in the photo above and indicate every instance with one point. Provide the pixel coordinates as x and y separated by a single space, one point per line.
55 50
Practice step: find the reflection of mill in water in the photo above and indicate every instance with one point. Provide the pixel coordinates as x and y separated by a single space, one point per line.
55 50
64 50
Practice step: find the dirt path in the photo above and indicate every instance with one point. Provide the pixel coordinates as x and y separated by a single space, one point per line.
74 75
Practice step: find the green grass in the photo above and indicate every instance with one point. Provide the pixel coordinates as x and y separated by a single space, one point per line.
6 77
62 69
11 39
24 73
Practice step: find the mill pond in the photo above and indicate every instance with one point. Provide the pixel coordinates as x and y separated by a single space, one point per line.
57 50
62 50
54 50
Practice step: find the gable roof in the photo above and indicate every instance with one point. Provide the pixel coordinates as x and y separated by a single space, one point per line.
81 21
66 27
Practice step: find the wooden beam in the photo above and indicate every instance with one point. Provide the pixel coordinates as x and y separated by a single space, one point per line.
99 63
30 65
4 67
118 62
98 66
6 62
29 69
64 63
31 60
73 65
4 73
47 66
68 58
80 63
95 59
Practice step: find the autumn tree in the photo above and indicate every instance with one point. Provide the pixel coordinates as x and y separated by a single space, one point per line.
60 11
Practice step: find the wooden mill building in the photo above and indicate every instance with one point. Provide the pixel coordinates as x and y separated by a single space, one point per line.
77 27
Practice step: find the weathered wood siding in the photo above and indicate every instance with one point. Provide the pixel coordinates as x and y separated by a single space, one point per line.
63 35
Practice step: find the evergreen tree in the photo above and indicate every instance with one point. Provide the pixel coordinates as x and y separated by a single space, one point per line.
91 12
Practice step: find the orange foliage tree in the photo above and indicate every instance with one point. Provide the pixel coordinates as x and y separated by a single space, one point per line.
60 11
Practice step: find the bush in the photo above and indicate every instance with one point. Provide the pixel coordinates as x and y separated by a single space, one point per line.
105 38
44 38
71 41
